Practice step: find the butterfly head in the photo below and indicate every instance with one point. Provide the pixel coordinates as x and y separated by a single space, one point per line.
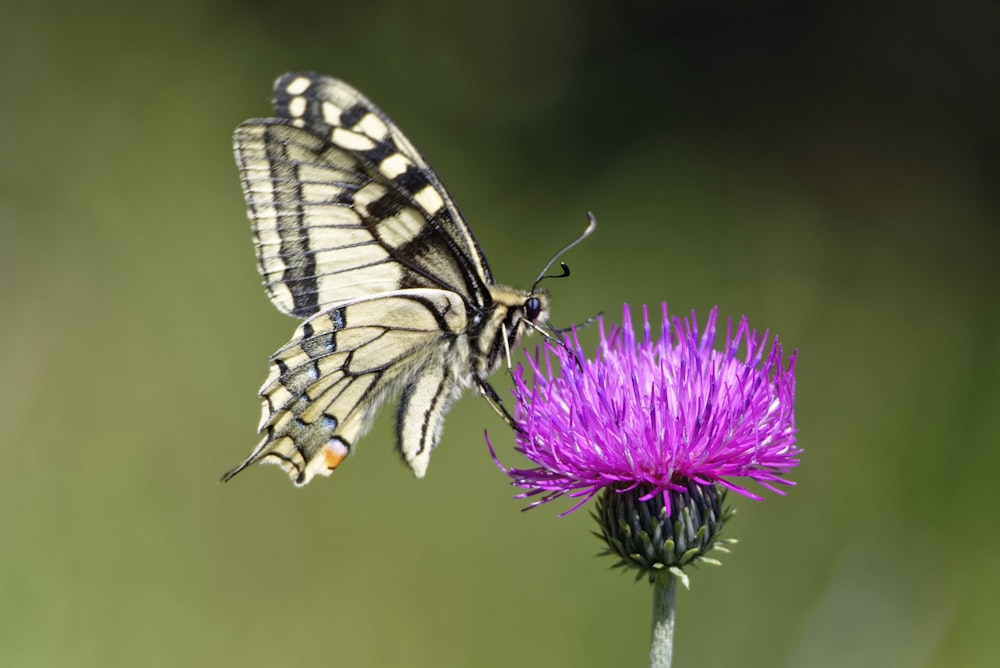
513 313
531 314
533 308
517 310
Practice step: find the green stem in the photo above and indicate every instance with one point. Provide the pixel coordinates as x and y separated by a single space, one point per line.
661 648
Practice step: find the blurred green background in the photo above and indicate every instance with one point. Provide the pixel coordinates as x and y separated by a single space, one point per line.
829 169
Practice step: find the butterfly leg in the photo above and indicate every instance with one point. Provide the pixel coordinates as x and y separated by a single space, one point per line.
493 399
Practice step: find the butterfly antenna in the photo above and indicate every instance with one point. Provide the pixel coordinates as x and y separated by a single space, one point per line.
591 226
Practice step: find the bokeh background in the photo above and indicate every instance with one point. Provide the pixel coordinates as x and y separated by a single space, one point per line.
829 169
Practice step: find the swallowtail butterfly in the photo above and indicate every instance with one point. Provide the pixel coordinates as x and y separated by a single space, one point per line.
357 236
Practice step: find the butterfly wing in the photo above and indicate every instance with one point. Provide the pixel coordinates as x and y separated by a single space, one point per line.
342 205
327 382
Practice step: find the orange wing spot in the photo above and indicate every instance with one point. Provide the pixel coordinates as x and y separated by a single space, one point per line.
335 452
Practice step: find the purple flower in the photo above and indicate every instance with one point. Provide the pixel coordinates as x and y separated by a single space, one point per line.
656 415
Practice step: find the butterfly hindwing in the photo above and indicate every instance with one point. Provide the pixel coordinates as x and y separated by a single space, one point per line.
422 406
327 382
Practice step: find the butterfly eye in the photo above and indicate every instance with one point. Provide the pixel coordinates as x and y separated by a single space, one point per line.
533 308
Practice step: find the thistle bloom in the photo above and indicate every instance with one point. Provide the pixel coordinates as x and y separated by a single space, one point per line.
656 414
662 429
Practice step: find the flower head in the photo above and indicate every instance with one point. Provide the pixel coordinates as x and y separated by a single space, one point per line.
656 414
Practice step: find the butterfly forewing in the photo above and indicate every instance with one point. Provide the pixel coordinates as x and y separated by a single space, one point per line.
327 200
306 230
330 108
356 234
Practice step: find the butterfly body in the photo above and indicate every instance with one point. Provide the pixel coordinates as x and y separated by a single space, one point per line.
356 235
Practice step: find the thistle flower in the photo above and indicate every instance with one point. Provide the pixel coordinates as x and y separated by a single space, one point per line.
653 414
662 428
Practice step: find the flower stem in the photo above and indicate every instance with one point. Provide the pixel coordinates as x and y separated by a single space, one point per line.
661 648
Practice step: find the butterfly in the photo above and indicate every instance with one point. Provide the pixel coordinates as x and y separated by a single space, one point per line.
356 235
